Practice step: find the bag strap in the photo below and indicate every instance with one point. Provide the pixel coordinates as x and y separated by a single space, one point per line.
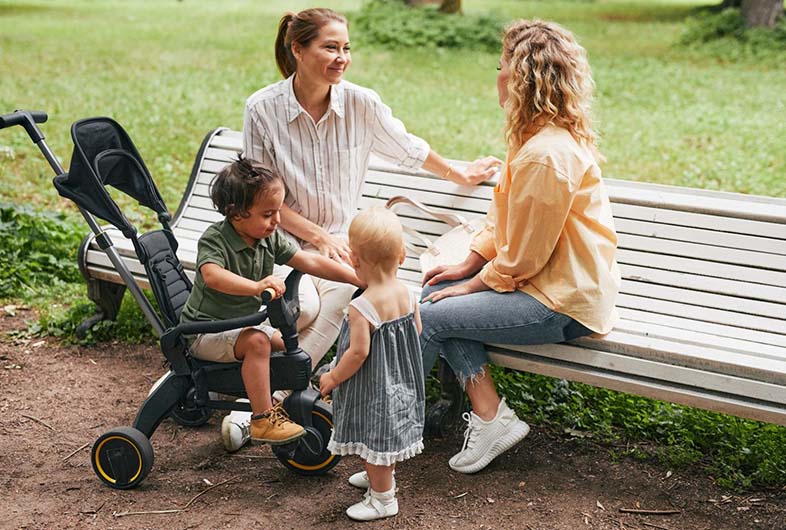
447 218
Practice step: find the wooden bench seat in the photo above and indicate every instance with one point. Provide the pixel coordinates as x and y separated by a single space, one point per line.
703 298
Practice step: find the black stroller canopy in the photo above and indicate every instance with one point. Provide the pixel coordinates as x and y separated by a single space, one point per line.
105 155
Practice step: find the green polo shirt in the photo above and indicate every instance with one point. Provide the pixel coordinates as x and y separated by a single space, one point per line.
221 244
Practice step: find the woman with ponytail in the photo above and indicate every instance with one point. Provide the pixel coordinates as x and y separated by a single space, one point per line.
544 270
317 131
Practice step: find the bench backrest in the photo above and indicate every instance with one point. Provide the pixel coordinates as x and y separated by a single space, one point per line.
700 260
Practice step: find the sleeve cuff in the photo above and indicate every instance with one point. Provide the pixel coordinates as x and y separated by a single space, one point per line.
483 244
502 283
416 153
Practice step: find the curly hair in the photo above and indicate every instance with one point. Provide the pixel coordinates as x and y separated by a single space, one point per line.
235 187
550 82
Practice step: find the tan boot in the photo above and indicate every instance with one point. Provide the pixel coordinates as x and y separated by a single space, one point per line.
275 427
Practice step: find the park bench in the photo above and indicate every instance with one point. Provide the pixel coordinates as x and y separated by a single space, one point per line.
702 304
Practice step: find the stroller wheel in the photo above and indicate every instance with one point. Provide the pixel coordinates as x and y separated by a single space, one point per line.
122 458
303 459
187 414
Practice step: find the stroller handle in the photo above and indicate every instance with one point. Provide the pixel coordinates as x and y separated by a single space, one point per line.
27 119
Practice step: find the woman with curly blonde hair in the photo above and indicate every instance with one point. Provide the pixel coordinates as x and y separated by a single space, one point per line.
544 269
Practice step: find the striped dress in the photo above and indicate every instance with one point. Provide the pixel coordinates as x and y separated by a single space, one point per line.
379 412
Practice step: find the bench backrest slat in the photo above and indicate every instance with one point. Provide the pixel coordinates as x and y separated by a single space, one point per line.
699 259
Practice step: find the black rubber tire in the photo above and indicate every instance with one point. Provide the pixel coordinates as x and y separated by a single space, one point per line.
122 458
303 463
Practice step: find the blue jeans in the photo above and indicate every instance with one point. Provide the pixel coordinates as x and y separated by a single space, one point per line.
458 327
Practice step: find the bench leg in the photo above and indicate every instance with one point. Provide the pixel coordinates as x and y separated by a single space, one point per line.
107 297
443 418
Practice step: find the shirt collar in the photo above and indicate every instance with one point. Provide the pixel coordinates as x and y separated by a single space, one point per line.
294 108
233 238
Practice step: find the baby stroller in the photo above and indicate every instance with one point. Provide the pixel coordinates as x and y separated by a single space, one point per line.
122 457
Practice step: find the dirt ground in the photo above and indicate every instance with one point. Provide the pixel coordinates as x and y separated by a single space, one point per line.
56 399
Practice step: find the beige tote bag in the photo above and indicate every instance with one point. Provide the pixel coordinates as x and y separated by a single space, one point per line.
450 248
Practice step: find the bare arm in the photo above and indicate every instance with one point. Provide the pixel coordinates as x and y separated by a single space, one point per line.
327 244
353 358
219 279
322 267
478 171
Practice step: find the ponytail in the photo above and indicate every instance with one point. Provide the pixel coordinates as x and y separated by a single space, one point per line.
302 28
284 58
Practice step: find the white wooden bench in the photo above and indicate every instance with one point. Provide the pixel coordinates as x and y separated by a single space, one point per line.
703 299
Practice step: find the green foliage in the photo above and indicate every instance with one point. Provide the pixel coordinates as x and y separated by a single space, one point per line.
62 320
739 453
391 23
37 250
724 34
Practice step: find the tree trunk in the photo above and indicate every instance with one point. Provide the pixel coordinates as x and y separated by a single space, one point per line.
450 6
731 3
762 13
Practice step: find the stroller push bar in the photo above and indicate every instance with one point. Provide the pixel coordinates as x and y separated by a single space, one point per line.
28 120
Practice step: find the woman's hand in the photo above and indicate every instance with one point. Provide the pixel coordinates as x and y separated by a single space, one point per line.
271 282
442 273
327 383
473 285
333 247
478 171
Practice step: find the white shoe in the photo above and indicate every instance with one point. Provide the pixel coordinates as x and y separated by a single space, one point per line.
374 506
360 480
280 395
236 429
486 440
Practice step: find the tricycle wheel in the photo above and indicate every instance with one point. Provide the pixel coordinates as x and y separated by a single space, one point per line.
311 455
187 414
122 458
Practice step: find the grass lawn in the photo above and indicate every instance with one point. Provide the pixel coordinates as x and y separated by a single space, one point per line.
170 71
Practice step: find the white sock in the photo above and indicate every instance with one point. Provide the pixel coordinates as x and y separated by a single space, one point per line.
384 496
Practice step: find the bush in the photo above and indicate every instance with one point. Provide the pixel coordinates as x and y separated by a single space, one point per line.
391 23
37 250
739 453
725 35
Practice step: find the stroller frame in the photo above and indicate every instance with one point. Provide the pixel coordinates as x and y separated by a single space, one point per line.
123 457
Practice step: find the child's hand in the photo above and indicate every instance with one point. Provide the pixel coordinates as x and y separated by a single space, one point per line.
271 282
327 383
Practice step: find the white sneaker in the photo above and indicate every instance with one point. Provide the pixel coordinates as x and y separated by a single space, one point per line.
486 440
280 395
236 429
374 506
360 480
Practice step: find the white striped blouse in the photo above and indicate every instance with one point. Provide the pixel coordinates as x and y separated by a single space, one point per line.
324 164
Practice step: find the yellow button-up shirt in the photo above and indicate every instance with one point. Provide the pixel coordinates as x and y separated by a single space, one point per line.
550 232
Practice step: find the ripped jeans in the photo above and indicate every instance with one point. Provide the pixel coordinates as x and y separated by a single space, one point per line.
457 327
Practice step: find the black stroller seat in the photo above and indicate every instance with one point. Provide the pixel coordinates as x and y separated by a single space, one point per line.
104 155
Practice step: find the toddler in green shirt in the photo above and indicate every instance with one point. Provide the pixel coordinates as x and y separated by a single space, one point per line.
234 266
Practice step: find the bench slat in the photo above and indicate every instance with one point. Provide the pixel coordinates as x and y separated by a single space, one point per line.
702 338
663 215
737 289
711 315
650 387
652 368
741 306
694 265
